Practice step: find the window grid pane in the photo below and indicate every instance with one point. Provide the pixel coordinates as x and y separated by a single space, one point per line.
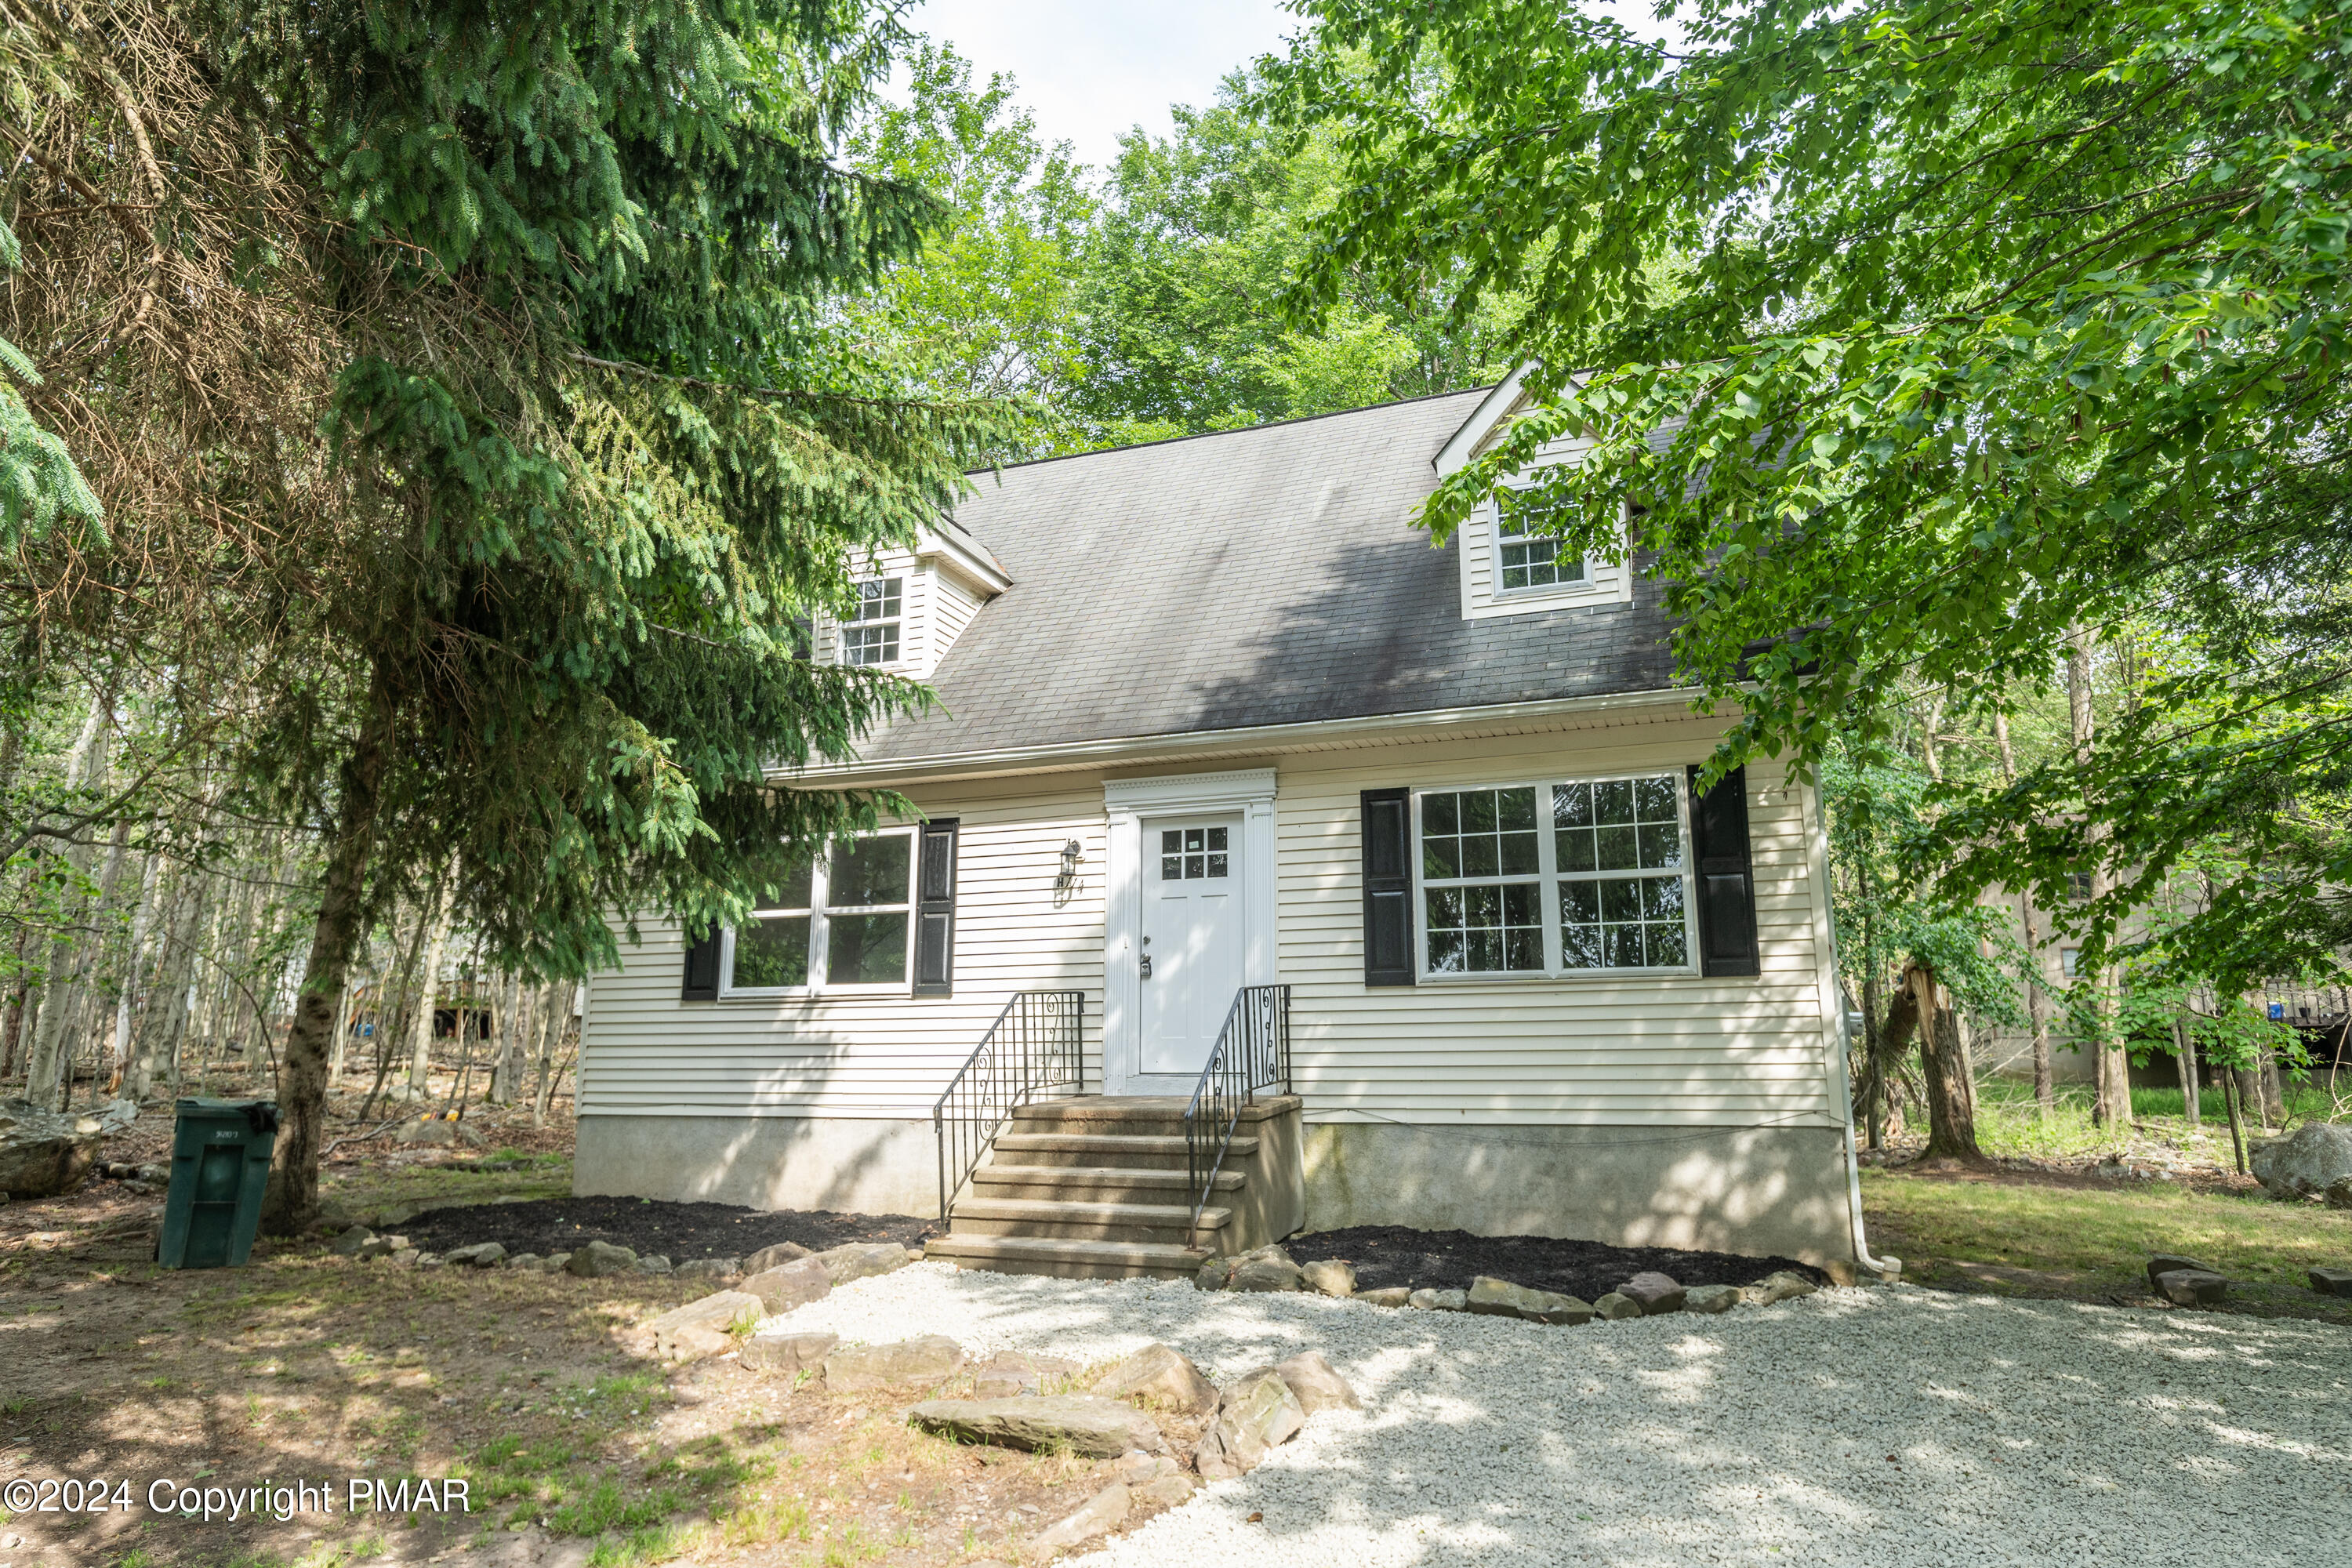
861 924
1525 560
871 645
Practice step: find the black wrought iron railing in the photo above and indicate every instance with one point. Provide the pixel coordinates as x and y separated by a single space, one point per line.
1251 1057
1032 1050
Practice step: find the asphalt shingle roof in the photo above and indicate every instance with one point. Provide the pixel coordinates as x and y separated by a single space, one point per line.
1260 576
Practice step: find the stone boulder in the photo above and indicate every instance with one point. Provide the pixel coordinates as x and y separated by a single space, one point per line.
1782 1284
1387 1296
1710 1298
44 1153
2191 1288
1439 1301
598 1259
1501 1299
2332 1282
1214 1275
702 1328
1173 1489
653 1263
708 1269
767 1258
349 1243
1256 1411
1315 1383
481 1255
924 1360
1267 1269
790 1285
526 1260
859 1260
2339 1193
1099 1515
2160 1263
2305 1163
1008 1374
1087 1424
1160 1379
376 1247
1615 1307
1656 1293
1329 1276
775 1352
556 1263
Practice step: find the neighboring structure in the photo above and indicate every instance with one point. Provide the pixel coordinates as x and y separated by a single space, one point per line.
1214 716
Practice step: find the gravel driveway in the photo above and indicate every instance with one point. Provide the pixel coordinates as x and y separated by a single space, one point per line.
1853 1426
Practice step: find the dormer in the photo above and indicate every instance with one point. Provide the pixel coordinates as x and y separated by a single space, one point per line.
1504 570
913 604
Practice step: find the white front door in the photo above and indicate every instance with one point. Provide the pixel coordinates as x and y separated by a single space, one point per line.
1193 922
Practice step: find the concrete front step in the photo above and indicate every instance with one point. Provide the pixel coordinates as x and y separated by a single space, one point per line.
1063 1219
1160 1115
1095 1184
1068 1259
1129 1151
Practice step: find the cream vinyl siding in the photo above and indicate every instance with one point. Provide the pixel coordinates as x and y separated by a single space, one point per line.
1604 583
1619 1049
934 609
952 606
649 1054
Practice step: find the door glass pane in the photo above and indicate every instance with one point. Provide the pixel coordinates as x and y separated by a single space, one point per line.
771 951
871 872
866 950
1171 867
1217 865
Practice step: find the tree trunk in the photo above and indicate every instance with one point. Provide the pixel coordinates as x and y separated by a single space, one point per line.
2184 1058
1944 1057
1874 1079
2274 1093
2113 1107
420 1058
2231 1102
550 1038
292 1201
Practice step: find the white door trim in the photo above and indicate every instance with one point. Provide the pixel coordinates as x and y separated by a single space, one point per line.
1128 801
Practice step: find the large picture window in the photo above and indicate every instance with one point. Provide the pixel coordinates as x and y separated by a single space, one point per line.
1554 878
842 925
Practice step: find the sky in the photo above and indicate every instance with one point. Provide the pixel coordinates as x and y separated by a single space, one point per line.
1092 69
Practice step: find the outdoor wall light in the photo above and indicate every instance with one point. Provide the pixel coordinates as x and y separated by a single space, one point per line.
1069 874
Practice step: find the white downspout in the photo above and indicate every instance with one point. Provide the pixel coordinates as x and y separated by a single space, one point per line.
1888 1269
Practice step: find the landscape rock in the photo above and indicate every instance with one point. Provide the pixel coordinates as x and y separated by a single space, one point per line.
348 1245
1008 1374
555 1263
481 1255
1711 1298
1088 1426
1171 1490
1214 1275
708 1269
44 1153
653 1263
407 1257
1782 1284
859 1260
1658 1294
2332 1282
1501 1299
1101 1513
790 1285
1440 1301
774 1351
767 1258
1315 1384
1614 1307
2191 1287
1160 1379
701 1327
2160 1263
1256 1413
600 1258
925 1360
528 1261
1267 1274
1135 1467
2339 1193
1329 1276
1272 1253
430 1260
1387 1296
2305 1163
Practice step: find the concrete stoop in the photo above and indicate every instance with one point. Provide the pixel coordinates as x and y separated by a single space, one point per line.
1095 1188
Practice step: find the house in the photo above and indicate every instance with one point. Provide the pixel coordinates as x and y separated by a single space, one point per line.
1229 763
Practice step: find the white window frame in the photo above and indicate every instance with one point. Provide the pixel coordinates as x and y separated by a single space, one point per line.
1586 581
897 624
1548 885
820 915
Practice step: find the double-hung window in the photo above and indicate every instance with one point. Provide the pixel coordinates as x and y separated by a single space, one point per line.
1524 557
871 635
1554 878
843 925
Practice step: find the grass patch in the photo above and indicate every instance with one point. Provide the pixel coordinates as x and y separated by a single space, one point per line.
2011 1125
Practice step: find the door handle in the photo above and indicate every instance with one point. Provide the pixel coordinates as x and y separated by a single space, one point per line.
1143 964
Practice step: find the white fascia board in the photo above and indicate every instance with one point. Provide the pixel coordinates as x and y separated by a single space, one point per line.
965 558
1131 751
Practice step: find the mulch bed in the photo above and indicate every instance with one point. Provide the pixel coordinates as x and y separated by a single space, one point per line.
1386 1254
675 1231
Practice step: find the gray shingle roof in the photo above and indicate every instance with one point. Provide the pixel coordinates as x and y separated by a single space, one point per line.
1261 577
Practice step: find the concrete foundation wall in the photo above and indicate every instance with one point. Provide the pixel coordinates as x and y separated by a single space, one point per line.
1775 1191
762 1162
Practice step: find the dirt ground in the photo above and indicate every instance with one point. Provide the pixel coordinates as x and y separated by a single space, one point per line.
675 1231
1386 1254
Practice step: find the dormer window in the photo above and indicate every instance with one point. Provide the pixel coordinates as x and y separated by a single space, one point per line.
1524 557
871 635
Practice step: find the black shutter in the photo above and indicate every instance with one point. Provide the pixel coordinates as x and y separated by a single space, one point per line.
1388 887
1727 876
701 970
935 868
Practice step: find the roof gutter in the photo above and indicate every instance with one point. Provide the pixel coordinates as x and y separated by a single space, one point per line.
1129 751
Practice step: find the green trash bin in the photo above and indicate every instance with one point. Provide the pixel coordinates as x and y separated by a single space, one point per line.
220 1167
